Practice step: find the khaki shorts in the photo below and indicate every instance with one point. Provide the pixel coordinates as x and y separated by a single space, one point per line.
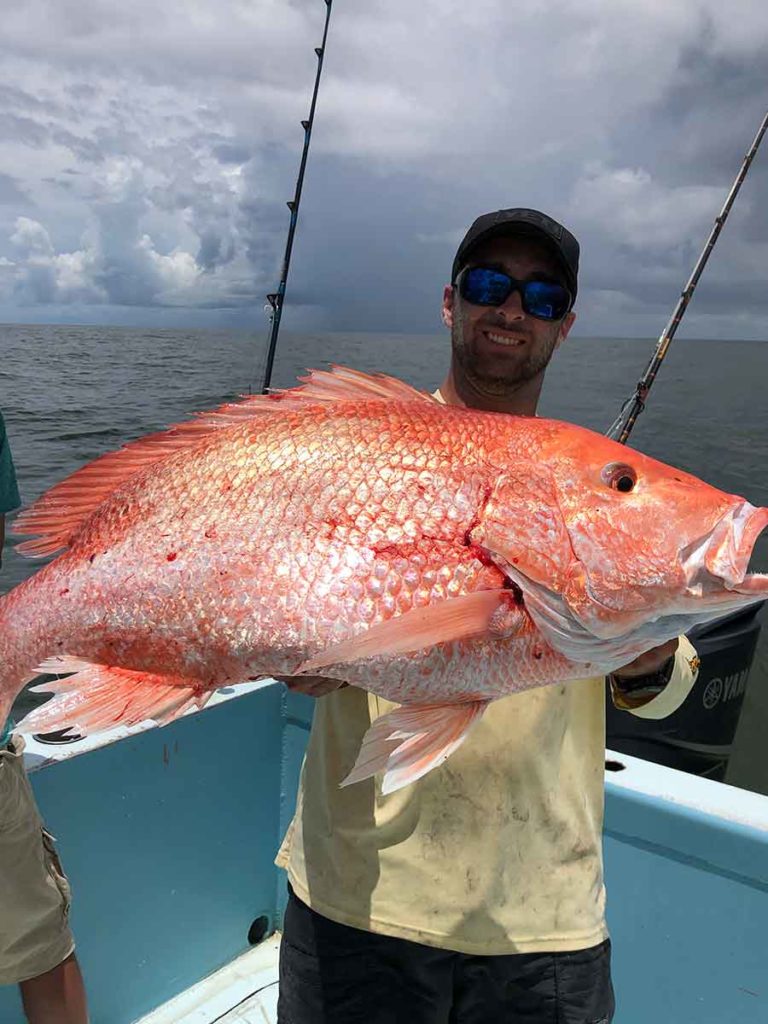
34 892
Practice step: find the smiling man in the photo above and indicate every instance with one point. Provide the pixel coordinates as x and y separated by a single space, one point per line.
518 290
474 895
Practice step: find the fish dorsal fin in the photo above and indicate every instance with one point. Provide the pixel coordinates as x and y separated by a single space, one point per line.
341 384
55 516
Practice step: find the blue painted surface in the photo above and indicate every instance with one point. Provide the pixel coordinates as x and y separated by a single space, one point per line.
168 839
688 912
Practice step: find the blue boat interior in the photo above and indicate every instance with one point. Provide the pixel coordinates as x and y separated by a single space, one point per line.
169 835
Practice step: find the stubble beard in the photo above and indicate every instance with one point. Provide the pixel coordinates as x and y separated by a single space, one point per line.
488 382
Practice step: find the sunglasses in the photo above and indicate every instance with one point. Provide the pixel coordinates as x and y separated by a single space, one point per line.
485 286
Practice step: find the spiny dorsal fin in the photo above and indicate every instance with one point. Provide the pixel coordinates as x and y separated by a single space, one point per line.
55 516
341 384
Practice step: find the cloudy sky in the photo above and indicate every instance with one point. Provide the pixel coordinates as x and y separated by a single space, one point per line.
147 151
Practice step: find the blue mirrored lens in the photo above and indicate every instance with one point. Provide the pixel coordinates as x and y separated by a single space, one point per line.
484 287
545 299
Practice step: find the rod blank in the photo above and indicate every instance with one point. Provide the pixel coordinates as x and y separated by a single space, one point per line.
277 299
622 426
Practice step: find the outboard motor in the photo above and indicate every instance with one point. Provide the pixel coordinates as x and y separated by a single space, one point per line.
698 737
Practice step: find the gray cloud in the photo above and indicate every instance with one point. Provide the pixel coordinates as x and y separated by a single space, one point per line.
10 190
147 152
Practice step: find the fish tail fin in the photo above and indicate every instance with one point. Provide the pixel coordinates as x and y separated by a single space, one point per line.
94 697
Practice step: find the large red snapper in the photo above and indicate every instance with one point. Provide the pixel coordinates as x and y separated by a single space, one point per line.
440 557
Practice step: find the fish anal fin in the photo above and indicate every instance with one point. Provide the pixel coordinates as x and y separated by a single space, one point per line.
410 741
456 618
98 697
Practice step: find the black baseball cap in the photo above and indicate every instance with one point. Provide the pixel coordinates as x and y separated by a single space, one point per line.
558 239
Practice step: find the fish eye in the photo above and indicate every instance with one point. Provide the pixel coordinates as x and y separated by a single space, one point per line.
619 477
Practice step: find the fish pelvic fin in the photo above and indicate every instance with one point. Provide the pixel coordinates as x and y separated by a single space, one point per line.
456 618
407 743
97 697
54 518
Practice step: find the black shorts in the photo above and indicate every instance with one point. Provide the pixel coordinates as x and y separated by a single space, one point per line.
333 974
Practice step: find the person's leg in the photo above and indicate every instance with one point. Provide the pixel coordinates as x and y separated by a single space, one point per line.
535 988
333 974
36 944
56 997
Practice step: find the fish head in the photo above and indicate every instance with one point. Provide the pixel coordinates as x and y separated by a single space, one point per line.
633 547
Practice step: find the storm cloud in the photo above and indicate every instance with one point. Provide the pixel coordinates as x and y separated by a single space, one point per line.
147 152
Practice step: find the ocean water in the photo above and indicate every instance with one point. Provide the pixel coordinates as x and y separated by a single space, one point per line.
69 393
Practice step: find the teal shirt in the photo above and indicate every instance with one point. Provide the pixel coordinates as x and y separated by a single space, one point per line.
9 491
9 500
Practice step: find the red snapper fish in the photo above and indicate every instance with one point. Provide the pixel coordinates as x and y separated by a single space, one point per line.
440 557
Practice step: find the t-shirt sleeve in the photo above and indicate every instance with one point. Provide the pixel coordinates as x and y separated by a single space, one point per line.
684 674
9 491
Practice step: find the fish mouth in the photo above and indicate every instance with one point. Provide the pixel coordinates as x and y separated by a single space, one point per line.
720 559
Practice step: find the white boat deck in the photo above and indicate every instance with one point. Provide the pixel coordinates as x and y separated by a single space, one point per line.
243 992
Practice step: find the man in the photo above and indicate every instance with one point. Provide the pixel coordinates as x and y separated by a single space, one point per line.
476 894
36 945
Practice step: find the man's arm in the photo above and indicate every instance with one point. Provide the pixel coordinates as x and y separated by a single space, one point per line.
652 686
656 683
313 686
9 491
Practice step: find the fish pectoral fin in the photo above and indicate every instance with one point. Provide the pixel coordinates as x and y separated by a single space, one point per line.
412 740
456 618
100 697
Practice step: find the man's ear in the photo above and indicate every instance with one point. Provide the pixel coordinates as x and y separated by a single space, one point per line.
565 327
447 310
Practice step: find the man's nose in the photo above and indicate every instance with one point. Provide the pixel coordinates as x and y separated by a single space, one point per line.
512 309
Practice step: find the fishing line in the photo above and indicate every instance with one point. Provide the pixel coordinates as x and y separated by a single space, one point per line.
275 300
634 405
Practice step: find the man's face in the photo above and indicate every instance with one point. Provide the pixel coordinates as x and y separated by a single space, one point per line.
499 348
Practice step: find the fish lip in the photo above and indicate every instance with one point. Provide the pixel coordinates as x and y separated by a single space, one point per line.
729 548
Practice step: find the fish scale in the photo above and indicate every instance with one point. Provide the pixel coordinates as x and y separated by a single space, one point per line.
353 526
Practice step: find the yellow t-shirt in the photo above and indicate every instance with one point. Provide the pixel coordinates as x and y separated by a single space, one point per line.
497 851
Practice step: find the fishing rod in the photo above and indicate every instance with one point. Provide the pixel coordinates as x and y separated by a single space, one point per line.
634 405
276 299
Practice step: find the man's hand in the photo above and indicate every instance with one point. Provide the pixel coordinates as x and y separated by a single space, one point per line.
649 662
313 686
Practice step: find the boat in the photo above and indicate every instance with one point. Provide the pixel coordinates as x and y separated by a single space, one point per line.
168 836
698 737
